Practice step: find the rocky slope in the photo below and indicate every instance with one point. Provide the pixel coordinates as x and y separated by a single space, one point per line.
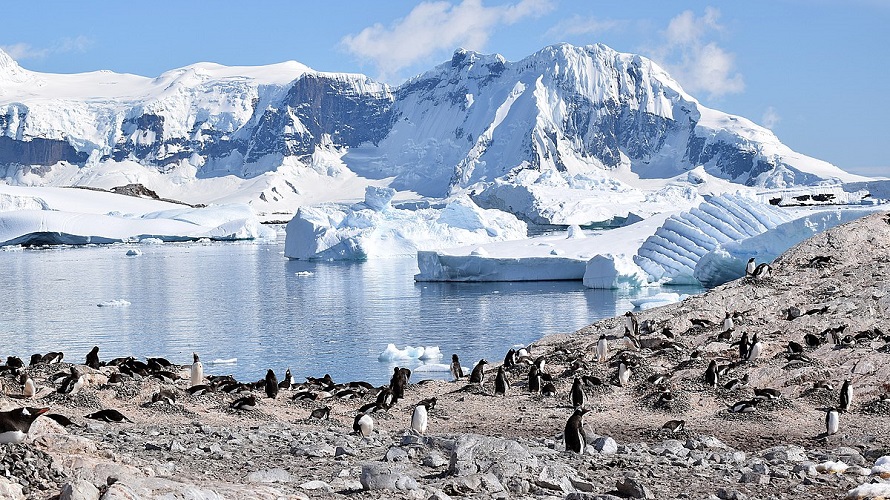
832 286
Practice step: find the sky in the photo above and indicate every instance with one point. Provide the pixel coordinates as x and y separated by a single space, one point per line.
813 71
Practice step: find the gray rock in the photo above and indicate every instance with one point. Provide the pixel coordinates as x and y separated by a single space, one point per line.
269 476
754 478
556 477
605 445
632 488
670 447
380 476
314 450
317 485
119 491
396 454
79 489
785 454
582 485
712 443
591 496
473 454
730 494
434 460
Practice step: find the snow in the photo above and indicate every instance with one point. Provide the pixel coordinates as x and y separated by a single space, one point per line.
659 299
882 465
393 353
77 217
114 303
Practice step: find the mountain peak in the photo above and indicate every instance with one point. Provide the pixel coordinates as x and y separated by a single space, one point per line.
9 69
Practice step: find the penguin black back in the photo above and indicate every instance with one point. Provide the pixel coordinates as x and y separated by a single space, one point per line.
500 382
93 358
478 374
271 384
577 394
574 432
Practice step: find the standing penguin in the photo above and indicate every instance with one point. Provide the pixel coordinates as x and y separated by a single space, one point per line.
197 375
420 417
631 325
534 379
754 350
71 383
602 349
510 358
29 388
846 396
749 267
577 394
93 358
711 376
832 421
288 380
397 384
574 433
457 371
478 374
728 323
744 345
623 374
500 382
363 424
271 384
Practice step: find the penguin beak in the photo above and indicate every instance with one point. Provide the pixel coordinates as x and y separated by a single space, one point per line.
37 411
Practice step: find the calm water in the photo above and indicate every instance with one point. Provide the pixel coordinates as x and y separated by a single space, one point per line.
247 301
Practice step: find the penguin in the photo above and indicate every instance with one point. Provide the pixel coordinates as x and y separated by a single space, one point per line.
29 388
500 382
93 358
534 379
419 418
14 424
477 376
631 325
197 375
108 415
165 395
197 390
321 413
510 358
577 394
385 398
832 421
767 394
743 344
457 371
70 383
363 424
548 389
36 359
623 373
711 376
397 384
823 384
60 419
794 347
744 406
602 349
288 380
762 271
657 378
749 268
674 425
754 350
52 358
846 396
271 384
574 433
245 403
811 340
14 364
540 362
728 323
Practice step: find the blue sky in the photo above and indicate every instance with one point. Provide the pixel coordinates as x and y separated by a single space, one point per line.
815 71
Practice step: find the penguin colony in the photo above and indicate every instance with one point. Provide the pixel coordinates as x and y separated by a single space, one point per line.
615 362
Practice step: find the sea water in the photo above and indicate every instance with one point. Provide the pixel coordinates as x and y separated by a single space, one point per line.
244 308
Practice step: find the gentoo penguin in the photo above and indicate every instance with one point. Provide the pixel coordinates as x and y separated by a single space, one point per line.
548 389
36 359
832 421
197 390
631 325
420 418
321 413
70 383
711 376
14 424
397 384
811 340
271 384
534 379
197 377
288 380
29 388
728 323
108 415
762 271
164 395
60 419
363 424
577 394
623 373
744 345
457 371
385 398
794 347
767 394
477 376
500 382
602 349
540 362
93 358
14 363
749 268
245 403
53 357
674 425
846 396
574 433
510 358
754 350
744 406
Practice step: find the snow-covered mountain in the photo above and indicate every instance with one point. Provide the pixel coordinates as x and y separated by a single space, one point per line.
540 137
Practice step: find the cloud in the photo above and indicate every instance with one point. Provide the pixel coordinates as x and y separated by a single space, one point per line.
579 25
770 118
433 27
21 51
698 64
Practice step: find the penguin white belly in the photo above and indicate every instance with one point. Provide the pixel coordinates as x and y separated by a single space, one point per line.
197 377
366 424
12 437
419 419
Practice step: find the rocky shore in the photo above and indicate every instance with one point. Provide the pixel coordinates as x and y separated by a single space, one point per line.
832 288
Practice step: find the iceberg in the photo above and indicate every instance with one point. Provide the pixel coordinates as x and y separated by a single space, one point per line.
393 353
376 229
114 303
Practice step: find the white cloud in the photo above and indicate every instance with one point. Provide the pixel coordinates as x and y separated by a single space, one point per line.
579 25
433 27
770 118
22 51
698 64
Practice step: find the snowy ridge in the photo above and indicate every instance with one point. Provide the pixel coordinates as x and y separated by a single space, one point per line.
672 253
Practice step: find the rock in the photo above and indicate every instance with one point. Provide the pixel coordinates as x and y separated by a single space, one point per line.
730 494
317 485
712 443
671 447
78 489
119 491
754 478
785 454
314 450
379 476
10 490
269 476
605 445
556 477
396 454
591 496
473 453
434 460
632 488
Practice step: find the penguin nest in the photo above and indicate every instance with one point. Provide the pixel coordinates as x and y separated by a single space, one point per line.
82 399
820 397
663 434
128 391
256 414
757 415
876 407
165 408
679 403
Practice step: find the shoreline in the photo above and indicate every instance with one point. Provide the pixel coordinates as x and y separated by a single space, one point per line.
480 445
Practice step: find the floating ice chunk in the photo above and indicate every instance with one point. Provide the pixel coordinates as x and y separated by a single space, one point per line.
379 198
134 252
219 361
437 368
481 252
303 273
393 353
613 271
657 300
114 303
151 241
575 232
